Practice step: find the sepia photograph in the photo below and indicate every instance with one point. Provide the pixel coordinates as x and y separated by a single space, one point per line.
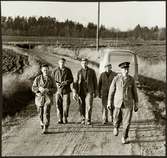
83 78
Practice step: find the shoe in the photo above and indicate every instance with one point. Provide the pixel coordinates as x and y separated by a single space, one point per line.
65 120
88 123
41 123
115 131
104 123
123 140
60 122
45 130
83 122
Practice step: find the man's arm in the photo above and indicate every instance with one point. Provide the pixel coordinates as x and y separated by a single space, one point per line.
99 85
135 96
69 79
111 92
95 83
35 87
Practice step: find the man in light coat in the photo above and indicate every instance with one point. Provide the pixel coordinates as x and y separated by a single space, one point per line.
103 87
63 78
44 87
123 94
86 88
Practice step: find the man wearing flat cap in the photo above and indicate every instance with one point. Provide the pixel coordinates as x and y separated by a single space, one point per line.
86 88
63 78
123 94
105 80
44 88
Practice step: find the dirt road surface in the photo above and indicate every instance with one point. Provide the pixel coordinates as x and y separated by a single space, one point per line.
146 137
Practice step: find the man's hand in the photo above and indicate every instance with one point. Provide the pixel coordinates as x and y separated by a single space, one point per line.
136 107
109 107
41 89
94 95
46 90
75 96
63 83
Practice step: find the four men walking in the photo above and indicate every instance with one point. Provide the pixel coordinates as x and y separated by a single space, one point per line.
117 91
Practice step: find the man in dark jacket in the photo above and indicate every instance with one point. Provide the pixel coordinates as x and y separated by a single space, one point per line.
86 88
63 78
103 88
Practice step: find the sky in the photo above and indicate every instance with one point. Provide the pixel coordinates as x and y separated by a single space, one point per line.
121 15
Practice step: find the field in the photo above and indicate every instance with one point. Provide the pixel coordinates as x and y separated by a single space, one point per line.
148 125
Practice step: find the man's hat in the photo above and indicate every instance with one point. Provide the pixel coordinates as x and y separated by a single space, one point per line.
84 59
107 65
44 65
62 59
124 65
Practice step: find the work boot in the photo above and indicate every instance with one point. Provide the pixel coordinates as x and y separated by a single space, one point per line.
41 124
60 122
123 140
45 130
65 120
88 123
115 131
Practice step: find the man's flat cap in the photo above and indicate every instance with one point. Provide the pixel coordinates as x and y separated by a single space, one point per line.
84 59
124 65
107 65
62 59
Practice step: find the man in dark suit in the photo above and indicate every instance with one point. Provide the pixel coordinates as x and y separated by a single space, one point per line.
123 94
63 78
86 88
103 89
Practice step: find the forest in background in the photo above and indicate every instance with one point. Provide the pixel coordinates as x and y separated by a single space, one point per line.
50 26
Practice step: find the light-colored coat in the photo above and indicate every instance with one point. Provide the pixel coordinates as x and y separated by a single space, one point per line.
122 92
41 99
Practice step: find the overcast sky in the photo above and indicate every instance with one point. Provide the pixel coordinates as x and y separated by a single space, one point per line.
122 15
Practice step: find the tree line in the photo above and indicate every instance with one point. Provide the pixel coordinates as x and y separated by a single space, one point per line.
50 26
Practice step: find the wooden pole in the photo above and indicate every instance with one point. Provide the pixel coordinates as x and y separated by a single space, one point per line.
97 33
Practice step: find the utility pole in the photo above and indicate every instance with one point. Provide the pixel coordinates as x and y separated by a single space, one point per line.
97 33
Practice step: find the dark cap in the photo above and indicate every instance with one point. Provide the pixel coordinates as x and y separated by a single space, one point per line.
124 65
62 59
84 59
107 65
44 65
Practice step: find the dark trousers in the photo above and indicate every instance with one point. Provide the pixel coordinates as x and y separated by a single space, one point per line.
44 115
123 114
86 107
105 110
63 104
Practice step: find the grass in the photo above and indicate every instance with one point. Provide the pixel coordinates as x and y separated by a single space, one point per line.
155 71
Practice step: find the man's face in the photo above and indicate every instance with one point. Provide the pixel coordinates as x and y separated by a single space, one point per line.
61 64
84 64
125 71
45 71
108 68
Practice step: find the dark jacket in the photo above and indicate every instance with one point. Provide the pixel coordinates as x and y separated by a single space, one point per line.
105 82
86 81
65 75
